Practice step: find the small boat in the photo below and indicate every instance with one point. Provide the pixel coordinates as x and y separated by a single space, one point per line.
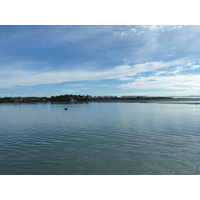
65 108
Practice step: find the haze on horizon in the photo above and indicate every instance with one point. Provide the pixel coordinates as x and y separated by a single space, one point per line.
100 60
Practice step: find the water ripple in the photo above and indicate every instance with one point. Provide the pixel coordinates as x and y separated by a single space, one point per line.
99 138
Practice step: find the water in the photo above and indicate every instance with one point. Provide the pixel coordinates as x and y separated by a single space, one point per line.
99 138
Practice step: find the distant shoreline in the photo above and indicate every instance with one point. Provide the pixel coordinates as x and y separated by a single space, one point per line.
173 101
145 100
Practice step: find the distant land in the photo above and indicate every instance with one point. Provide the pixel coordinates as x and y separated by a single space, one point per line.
70 98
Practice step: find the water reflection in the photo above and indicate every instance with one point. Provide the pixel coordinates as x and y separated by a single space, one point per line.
99 138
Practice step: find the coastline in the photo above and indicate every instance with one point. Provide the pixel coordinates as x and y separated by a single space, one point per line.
145 100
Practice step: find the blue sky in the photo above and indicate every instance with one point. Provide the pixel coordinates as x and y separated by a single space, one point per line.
100 60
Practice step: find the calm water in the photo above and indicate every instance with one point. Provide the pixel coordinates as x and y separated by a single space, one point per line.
99 138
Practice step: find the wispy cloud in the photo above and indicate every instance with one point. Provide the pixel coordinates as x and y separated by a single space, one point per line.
161 27
175 82
72 91
138 30
12 78
126 78
108 85
76 85
195 66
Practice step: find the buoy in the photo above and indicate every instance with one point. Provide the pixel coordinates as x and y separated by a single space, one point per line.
65 108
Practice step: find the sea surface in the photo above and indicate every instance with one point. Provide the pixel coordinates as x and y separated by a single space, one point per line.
99 139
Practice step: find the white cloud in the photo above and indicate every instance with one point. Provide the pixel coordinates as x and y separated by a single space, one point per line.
104 85
189 82
152 27
126 31
133 30
177 70
195 66
141 29
76 85
12 78
125 78
161 27
160 72
72 91
191 63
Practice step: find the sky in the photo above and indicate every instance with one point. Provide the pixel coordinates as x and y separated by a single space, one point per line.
133 60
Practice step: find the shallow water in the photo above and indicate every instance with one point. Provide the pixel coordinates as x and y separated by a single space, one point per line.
99 138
